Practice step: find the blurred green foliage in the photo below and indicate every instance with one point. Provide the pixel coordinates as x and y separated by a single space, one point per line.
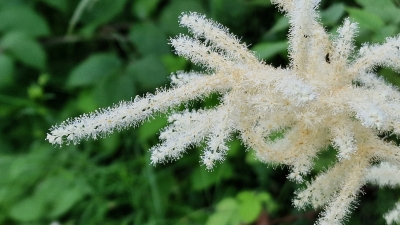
62 58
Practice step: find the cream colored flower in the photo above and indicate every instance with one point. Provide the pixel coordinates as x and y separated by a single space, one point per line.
314 101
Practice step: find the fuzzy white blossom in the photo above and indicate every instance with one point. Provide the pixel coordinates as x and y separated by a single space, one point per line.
316 102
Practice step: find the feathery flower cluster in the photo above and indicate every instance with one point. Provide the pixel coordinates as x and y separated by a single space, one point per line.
316 102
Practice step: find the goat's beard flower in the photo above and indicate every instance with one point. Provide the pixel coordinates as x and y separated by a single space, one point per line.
328 95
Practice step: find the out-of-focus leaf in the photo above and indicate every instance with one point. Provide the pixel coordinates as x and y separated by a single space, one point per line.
28 209
263 3
101 11
22 19
386 31
234 17
58 4
94 68
6 70
24 49
24 169
144 8
173 63
366 19
202 179
266 199
249 207
332 15
148 72
147 130
385 9
268 50
113 89
67 198
59 194
280 25
226 213
169 16
149 39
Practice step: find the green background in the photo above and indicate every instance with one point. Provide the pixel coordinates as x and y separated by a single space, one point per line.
63 58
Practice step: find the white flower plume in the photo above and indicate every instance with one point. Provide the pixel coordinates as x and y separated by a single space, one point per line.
318 102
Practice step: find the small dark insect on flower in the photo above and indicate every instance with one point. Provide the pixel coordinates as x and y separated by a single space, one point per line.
327 58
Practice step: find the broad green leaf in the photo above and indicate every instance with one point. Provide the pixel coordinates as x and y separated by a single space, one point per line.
25 49
236 17
280 25
251 159
266 199
28 209
22 19
6 70
169 16
148 72
144 8
332 15
65 201
219 219
249 207
85 102
148 130
365 19
96 67
173 63
202 179
386 31
114 88
102 11
227 204
268 50
385 9
226 213
149 39
24 170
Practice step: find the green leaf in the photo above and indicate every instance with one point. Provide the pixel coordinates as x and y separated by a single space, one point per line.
102 11
61 5
28 209
366 19
113 89
25 49
169 16
227 204
265 198
85 102
6 70
268 50
143 8
64 202
95 67
149 39
148 72
226 213
149 130
385 9
280 25
174 63
203 179
386 31
332 15
23 19
249 207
